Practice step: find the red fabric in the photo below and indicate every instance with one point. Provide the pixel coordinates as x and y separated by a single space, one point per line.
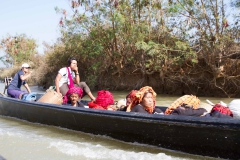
70 79
104 98
72 90
132 94
95 106
222 109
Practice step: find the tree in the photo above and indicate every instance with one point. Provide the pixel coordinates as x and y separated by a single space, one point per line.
179 43
18 49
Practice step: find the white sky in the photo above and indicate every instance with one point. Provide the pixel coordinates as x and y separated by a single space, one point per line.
35 18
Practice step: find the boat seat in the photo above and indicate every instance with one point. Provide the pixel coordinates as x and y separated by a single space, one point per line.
7 81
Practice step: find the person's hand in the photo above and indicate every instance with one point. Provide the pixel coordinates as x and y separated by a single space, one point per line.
93 99
75 69
60 94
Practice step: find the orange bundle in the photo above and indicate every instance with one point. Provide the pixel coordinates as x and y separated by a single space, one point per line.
187 100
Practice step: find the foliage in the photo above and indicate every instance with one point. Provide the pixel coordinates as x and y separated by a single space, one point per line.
181 41
110 30
18 49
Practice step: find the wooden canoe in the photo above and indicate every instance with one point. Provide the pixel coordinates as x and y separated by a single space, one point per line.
212 137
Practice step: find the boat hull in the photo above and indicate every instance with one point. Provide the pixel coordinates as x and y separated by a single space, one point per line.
202 136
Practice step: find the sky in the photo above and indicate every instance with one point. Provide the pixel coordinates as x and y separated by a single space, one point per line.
35 18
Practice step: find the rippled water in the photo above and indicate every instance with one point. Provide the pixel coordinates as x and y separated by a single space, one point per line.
22 140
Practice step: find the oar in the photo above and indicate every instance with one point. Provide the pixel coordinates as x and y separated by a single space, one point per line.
209 102
221 102
4 95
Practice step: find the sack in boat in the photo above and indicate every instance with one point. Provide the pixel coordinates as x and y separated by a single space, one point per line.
189 100
234 106
51 97
222 109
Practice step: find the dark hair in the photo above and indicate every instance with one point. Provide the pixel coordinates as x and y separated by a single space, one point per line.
70 60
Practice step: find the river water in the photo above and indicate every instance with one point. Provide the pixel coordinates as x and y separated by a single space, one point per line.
22 140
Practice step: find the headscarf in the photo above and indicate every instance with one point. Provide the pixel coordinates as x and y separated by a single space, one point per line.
131 94
72 90
103 100
139 97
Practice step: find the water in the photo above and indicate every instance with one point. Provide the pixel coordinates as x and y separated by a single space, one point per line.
22 140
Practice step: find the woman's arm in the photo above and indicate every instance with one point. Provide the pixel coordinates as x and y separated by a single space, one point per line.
57 79
77 76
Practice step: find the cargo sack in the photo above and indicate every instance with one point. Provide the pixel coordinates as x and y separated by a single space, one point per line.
51 97
189 100
222 109
234 106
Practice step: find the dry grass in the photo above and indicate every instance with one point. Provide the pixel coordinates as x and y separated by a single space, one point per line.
9 72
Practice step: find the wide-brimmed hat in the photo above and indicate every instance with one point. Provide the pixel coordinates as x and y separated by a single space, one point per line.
25 65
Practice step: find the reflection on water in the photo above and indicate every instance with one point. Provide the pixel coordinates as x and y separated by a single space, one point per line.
21 140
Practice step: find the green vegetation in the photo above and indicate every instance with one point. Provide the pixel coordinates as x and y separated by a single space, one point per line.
18 49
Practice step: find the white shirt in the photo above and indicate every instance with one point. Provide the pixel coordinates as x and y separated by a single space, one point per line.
64 73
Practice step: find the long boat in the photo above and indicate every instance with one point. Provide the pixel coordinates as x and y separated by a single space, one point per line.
213 137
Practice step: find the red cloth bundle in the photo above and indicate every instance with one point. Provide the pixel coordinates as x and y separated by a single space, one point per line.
104 99
222 109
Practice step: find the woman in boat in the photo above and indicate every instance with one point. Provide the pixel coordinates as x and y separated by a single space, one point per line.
69 75
187 105
104 101
144 102
188 110
73 97
123 105
19 79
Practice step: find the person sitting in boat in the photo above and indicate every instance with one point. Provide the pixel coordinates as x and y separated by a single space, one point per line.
123 105
220 110
104 101
188 110
73 97
144 102
19 79
69 75
187 105
186 100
